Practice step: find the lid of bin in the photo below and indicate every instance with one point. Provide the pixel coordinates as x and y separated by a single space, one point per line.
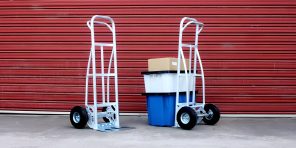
162 72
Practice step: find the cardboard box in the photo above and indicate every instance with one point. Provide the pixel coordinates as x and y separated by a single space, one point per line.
162 64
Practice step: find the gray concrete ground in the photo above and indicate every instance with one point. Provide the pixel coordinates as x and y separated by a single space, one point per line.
31 131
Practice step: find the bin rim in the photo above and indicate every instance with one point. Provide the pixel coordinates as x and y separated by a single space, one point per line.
166 93
163 71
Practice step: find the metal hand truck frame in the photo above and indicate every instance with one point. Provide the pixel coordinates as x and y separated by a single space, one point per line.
190 113
80 116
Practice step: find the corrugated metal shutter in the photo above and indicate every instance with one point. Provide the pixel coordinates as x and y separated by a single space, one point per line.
248 49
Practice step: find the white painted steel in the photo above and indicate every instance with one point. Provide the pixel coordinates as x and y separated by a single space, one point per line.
104 44
105 75
105 93
190 74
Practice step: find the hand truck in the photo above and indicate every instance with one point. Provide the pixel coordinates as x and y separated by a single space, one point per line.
190 113
80 116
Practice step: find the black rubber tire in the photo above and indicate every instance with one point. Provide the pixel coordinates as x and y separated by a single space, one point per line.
192 118
83 117
106 119
216 114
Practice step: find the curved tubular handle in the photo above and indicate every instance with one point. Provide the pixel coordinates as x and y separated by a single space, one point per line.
109 19
189 20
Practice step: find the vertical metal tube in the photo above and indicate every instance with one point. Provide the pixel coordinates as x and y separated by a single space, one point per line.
93 56
108 77
178 71
86 80
186 79
190 57
189 70
116 76
102 76
194 78
200 65
195 65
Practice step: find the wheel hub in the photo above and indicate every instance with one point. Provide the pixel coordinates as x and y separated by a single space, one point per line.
210 115
110 113
76 117
185 118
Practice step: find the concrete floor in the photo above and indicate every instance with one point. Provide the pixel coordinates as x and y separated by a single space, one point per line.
32 131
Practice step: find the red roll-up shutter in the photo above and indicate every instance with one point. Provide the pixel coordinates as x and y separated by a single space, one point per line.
248 49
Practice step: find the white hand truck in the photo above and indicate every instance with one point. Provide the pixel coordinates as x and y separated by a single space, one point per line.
80 116
190 113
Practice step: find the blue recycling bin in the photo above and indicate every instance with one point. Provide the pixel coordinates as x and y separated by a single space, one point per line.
161 107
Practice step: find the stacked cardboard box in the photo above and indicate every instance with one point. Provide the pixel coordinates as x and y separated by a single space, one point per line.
165 64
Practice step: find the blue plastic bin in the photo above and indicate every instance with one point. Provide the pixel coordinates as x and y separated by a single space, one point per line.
161 108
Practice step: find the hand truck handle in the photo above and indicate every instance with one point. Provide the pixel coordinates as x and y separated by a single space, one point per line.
107 18
189 20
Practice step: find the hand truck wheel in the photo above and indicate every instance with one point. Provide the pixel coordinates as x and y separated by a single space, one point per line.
78 117
186 118
213 114
107 120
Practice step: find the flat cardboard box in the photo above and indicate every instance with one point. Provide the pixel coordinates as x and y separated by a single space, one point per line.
163 64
